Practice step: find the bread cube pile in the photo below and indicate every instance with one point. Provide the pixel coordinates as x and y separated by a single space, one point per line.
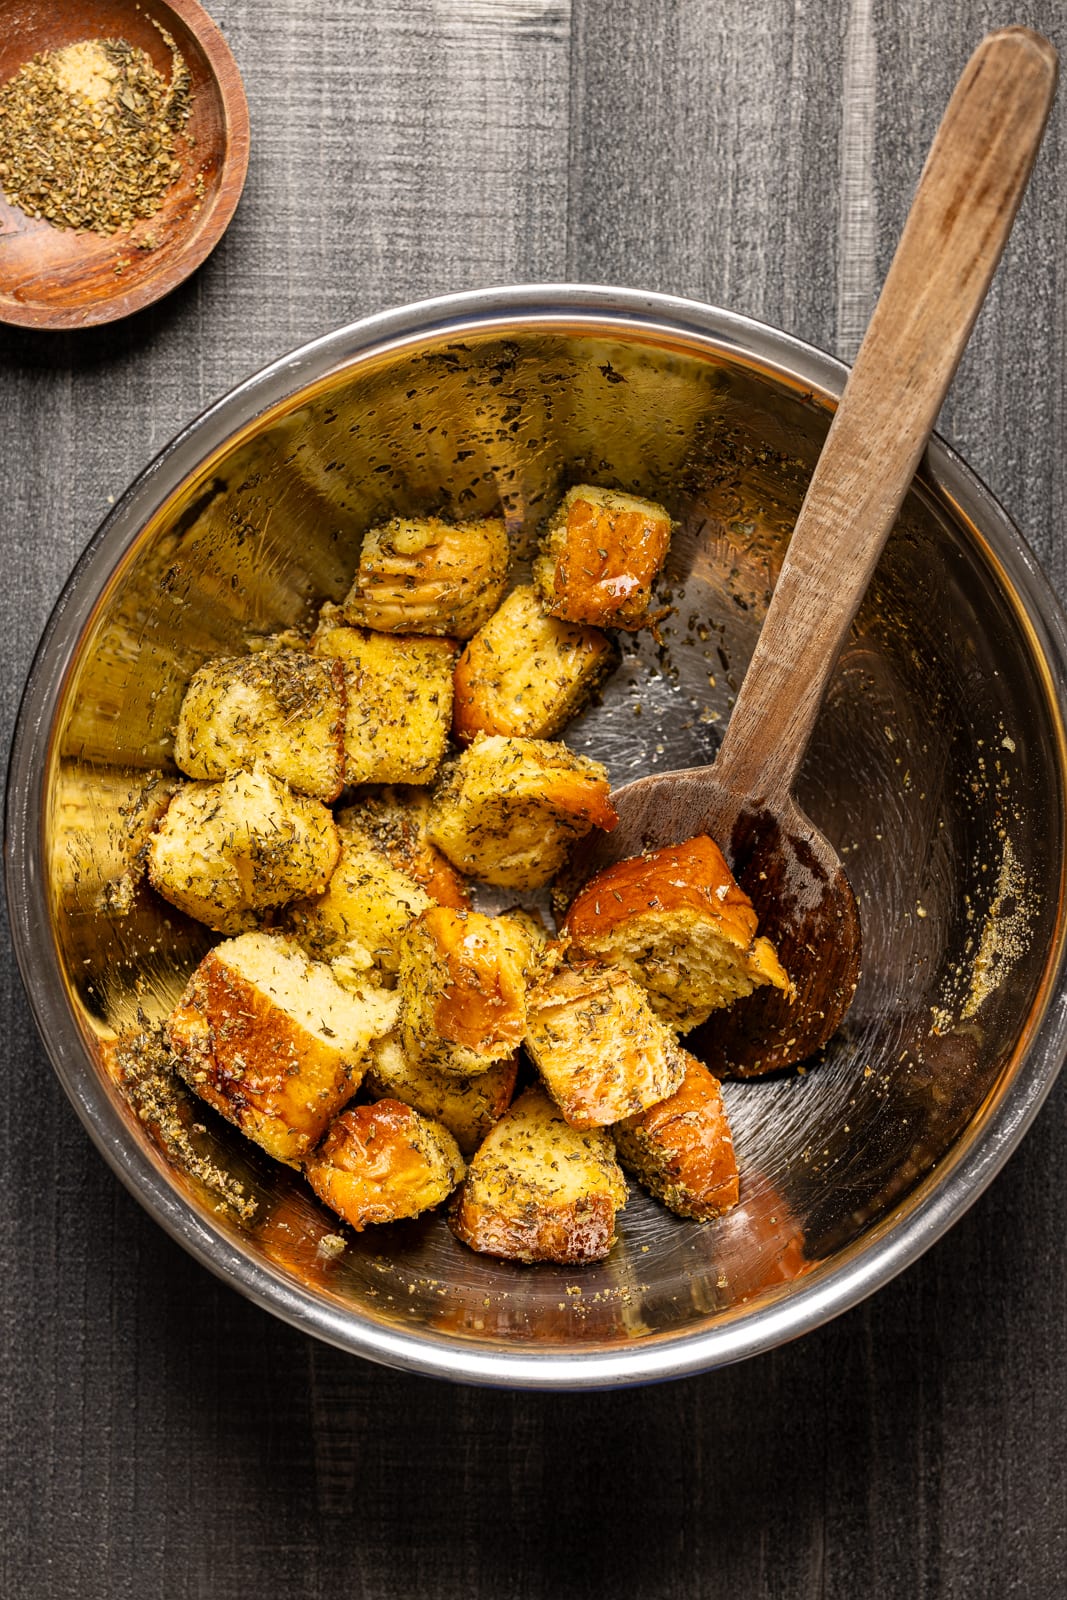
345 790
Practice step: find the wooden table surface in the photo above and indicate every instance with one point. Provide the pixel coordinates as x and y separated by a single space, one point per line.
159 1436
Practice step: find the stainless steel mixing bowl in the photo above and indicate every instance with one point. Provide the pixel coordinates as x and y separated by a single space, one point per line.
937 769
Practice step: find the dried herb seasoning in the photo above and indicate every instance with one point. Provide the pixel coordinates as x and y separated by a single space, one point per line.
89 134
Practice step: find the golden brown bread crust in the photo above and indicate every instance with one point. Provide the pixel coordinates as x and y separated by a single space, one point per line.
257 1066
677 921
682 1148
508 810
527 674
399 699
382 1163
600 1049
602 551
423 575
538 1190
282 710
462 983
394 821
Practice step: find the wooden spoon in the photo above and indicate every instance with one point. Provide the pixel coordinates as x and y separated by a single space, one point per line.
959 222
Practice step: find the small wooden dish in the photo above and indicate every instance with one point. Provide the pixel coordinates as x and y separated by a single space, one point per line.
58 278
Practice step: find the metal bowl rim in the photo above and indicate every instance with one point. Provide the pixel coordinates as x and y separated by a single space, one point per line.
926 1214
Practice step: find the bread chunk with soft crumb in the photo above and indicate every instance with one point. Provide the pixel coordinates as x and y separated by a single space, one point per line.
283 710
269 1039
600 554
393 821
508 810
399 700
424 575
682 1149
540 1190
227 853
601 1051
676 920
367 904
462 984
382 1163
527 674
467 1107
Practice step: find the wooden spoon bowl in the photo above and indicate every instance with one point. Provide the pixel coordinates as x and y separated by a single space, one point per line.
61 278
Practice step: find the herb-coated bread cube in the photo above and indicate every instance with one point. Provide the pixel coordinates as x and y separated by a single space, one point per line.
462 984
527 674
601 1051
283 710
423 575
228 852
399 698
269 1039
468 1107
540 1190
679 923
601 551
682 1149
367 903
382 1163
393 821
508 810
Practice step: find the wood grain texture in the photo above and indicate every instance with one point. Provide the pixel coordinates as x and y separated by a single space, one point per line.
158 1435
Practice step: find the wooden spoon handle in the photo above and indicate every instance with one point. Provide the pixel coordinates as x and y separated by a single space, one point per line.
957 227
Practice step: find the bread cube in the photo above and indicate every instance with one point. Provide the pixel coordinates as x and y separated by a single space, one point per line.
270 1040
226 853
283 711
423 575
527 674
393 822
539 1190
384 1162
681 1149
399 698
508 810
601 1051
367 904
599 557
468 1107
462 984
676 920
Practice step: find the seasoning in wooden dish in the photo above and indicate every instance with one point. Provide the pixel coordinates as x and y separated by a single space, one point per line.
89 134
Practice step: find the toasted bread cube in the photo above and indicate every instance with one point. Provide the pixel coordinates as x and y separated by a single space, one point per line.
422 575
539 1190
283 710
508 810
601 551
682 1149
677 921
468 1107
367 904
394 822
462 984
527 674
399 695
227 852
601 1051
269 1039
384 1162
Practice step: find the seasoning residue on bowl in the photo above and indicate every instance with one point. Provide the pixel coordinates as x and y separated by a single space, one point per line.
89 134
